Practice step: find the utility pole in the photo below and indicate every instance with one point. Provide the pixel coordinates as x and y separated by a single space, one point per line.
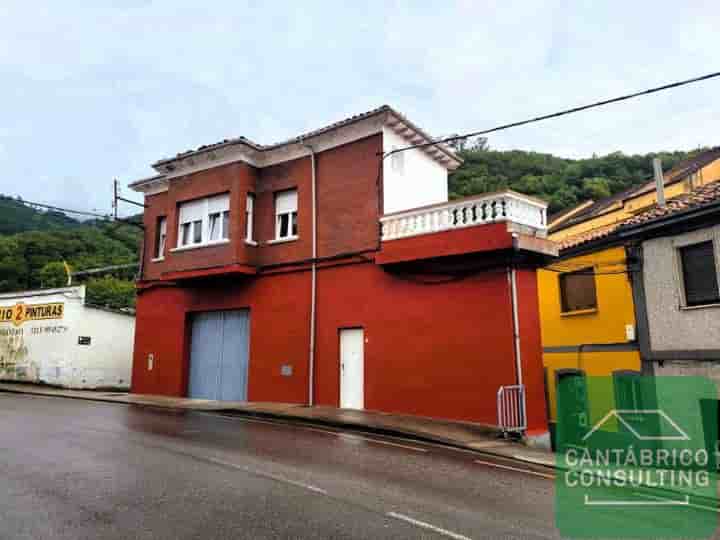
115 198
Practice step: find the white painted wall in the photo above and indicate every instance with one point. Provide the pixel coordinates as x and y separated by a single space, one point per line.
48 351
419 181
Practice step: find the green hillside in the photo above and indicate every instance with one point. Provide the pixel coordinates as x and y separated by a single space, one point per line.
34 245
17 217
560 181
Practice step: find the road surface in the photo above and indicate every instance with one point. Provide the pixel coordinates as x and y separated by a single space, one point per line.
74 469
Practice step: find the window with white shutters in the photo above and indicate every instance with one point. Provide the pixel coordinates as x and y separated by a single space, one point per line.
286 206
160 237
204 221
249 216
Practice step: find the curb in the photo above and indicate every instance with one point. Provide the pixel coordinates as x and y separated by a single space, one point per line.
294 419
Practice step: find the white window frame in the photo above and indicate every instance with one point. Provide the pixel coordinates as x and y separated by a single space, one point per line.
691 239
286 204
250 219
161 239
200 214
397 162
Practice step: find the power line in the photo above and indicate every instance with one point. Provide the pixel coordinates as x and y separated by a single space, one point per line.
557 114
65 210
105 217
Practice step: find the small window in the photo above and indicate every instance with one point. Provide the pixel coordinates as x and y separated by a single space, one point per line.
160 237
699 272
286 215
397 161
577 290
249 216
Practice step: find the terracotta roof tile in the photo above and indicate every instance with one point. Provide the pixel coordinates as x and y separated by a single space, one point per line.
335 125
707 194
702 196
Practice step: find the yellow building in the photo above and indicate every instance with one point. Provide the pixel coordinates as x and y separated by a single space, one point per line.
586 297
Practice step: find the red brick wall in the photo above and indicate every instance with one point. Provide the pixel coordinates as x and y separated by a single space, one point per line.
237 179
347 198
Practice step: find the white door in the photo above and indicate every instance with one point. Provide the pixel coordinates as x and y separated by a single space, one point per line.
352 368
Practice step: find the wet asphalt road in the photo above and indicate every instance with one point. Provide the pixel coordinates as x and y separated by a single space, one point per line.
75 469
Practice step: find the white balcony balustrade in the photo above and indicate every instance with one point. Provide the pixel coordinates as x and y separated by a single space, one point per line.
467 212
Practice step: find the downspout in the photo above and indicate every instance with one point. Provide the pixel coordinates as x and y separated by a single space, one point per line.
313 286
512 278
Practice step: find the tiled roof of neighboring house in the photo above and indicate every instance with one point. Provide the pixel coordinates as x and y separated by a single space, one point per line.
679 172
562 213
697 198
588 236
335 125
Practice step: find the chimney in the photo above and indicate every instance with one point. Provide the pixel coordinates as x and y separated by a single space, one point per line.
659 182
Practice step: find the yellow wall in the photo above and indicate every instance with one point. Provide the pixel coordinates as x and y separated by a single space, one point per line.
620 210
604 325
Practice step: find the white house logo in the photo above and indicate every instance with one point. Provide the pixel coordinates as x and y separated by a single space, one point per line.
620 415
637 466
635 471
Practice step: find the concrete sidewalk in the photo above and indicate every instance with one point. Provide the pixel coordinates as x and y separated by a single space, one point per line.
467 435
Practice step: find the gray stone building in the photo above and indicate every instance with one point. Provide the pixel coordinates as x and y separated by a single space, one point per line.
676 287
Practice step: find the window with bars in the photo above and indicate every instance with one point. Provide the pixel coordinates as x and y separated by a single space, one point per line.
699 274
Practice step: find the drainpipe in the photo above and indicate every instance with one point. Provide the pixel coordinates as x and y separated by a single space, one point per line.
512 278
313 286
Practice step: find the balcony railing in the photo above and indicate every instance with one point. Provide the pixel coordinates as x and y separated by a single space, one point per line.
468 212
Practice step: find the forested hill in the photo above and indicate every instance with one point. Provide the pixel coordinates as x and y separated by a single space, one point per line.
17 217
562 182
34 245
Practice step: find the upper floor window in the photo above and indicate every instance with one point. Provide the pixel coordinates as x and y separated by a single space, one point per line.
249 216
397 161
699 274
160 237
286 205
204 221
577 290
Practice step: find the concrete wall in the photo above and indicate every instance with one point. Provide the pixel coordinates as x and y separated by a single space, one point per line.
418 182
439 350
673 327
48 351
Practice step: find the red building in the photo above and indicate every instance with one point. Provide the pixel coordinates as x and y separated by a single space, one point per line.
317 271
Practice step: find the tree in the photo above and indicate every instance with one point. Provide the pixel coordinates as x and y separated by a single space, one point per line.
53 274
111 292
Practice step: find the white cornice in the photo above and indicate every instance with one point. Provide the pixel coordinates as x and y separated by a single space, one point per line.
243 150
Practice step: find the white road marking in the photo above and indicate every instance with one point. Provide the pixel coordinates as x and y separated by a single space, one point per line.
516 469
266 474
428 526
380 441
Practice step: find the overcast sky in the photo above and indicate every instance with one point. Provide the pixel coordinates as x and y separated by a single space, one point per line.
88 93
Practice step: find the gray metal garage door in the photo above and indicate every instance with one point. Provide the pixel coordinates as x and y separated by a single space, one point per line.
219 355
